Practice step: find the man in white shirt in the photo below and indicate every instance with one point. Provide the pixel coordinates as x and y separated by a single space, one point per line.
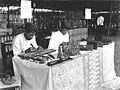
25 41
58 37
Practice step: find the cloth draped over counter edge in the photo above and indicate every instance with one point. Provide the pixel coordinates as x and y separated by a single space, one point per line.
68 75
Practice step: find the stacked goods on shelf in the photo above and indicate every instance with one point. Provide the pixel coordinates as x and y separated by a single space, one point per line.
14 21
3 21
6 38
50 20
78 33
76 19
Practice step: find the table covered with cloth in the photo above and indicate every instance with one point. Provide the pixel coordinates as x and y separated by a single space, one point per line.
110 80
93 70
83 72
108 62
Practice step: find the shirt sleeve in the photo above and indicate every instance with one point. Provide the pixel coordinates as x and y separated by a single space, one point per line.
68 38
53 43
34 42
16 46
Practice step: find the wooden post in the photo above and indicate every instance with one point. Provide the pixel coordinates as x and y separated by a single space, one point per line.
8 23
110 20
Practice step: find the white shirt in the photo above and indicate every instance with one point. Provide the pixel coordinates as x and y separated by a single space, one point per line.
56 39
20 44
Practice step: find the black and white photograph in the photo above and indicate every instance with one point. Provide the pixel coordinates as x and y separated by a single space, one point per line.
59 44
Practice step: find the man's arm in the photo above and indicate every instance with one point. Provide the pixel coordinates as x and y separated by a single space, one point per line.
68 37
53 42
34 44
16 46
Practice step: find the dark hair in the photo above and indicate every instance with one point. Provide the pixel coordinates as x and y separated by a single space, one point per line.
63 26
29 27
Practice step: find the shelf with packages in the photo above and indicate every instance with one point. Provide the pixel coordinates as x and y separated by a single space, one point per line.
78 33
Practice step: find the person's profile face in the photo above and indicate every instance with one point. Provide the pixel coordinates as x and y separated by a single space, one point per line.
64 31
29 36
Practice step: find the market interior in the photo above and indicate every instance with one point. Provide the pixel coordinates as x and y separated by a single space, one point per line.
47 16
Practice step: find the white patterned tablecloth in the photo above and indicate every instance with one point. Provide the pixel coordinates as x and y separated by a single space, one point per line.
108 62
74 74
110 80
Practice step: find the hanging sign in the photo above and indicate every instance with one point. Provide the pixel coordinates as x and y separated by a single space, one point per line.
87 13
26 10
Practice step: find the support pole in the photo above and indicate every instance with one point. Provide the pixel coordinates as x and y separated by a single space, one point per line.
110 19
8 23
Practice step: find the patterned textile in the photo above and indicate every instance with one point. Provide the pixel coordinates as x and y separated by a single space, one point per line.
89 71
108 62
95 70
69 49
83 73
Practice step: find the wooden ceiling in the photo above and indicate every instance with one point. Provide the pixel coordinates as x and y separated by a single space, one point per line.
75 5
68 5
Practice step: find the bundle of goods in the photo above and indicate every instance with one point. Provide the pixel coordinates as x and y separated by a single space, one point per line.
38 56
106 41
102 39
7 78
68 49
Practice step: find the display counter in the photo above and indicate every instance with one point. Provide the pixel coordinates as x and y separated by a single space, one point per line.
88 71
69 75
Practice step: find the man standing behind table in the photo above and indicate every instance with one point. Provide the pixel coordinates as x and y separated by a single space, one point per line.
25 41
59 37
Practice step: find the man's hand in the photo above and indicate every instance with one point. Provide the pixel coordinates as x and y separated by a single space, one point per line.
31 49
40 48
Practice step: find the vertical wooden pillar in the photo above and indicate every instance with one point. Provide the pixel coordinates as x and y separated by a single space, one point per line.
111 11
33 13
8 23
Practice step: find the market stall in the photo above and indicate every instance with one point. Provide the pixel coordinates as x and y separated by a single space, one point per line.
92 70
72 74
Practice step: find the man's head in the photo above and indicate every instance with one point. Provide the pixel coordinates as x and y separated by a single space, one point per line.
30 30
63 29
